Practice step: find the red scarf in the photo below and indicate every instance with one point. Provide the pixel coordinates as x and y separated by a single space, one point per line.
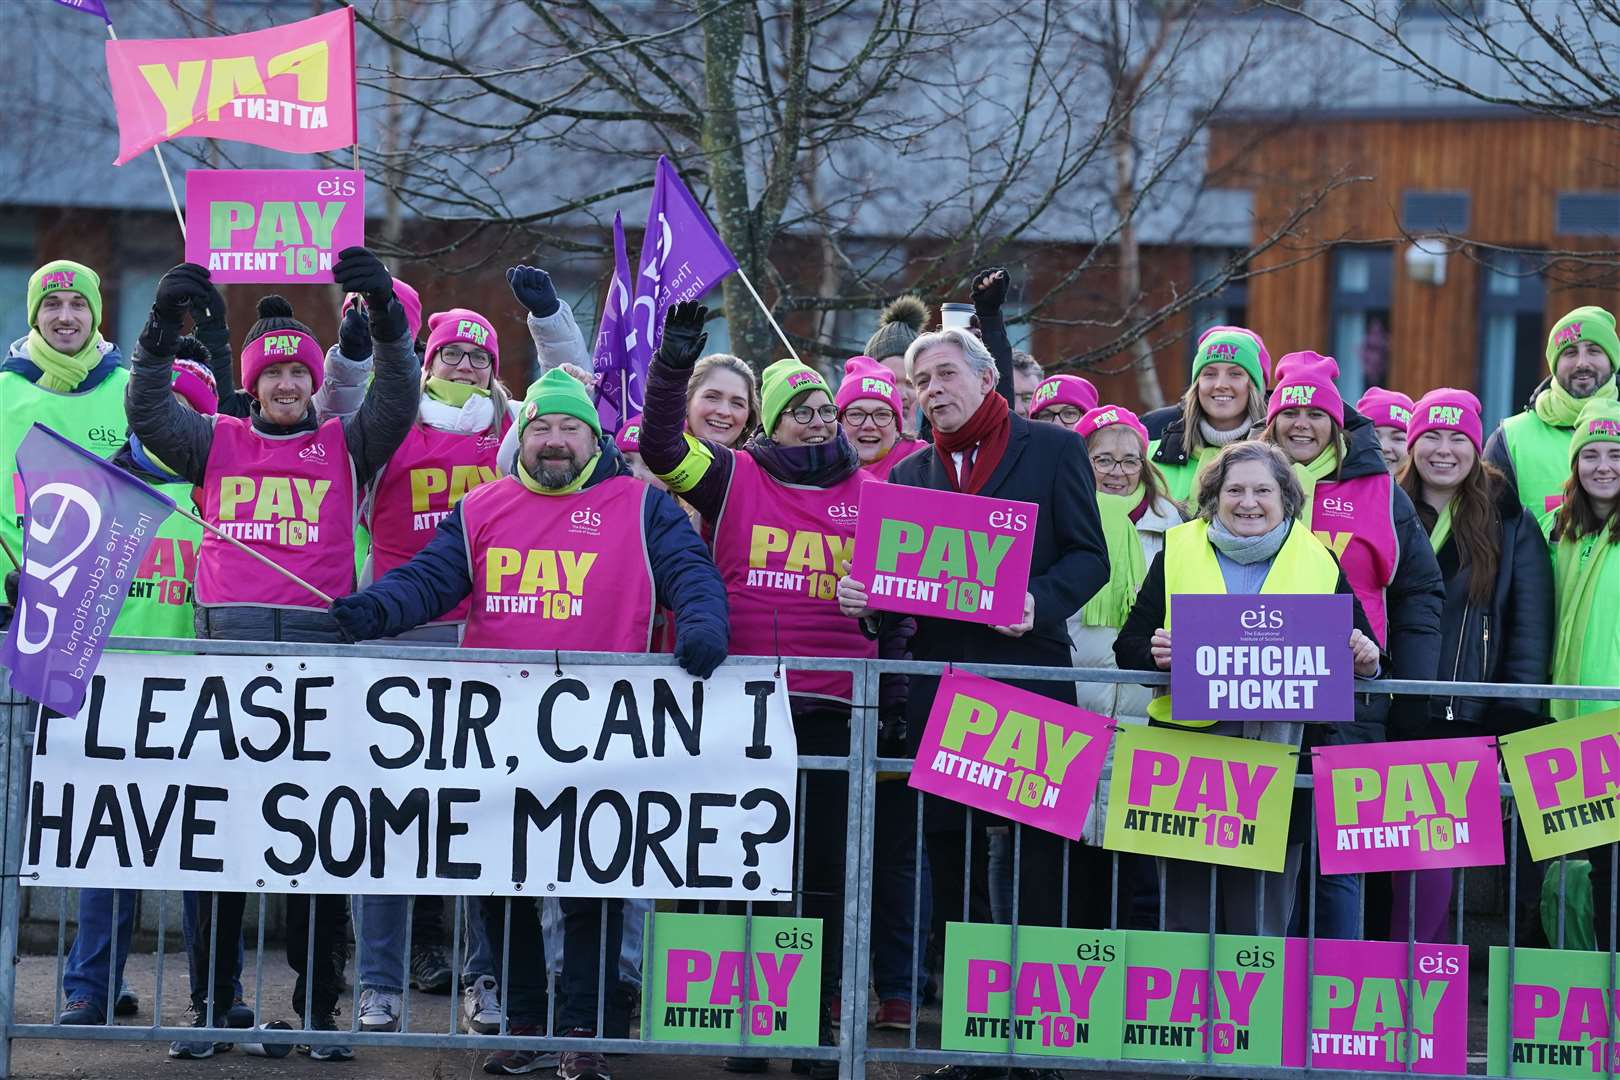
986 430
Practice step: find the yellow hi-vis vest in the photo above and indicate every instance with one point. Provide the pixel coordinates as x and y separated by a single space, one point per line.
1302 565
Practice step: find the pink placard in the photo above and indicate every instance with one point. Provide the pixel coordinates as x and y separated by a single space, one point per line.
281 226
938 553
1012 753
1366 1016
1423 805
289 87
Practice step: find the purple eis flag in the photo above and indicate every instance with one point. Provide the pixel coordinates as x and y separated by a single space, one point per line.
87 528
615 381
682 257
94 7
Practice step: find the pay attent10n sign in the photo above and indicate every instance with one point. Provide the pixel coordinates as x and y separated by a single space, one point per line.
276 226
942 554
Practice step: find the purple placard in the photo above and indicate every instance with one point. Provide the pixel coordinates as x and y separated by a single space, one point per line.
939 553
1262 657
1016 754
275 226
1408 806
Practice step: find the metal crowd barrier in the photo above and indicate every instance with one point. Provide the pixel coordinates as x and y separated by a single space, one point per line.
853 1050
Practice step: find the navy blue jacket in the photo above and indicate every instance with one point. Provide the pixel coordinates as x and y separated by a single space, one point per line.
684 576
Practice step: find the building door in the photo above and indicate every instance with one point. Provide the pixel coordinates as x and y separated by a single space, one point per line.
1512 357
1361 327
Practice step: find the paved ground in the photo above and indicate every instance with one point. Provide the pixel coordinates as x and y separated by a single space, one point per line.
59 1059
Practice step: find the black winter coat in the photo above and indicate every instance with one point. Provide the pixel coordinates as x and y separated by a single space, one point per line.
1508 639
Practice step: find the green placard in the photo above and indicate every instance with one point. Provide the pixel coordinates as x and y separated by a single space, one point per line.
1565 1012
1065 1000
694 977
1168 998
1566 782
1204 798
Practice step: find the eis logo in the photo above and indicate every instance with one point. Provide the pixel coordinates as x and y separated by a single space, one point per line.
843 513
585 521
1262 618
1009 520
1338 507
105 436
488 441
313 452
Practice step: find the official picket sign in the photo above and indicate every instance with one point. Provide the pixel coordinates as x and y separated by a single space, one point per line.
1565 1015
1063 997
1566 782
1365 1012
709 980
1012 753
944 554
328 775
281 226
1205 798
1407 806
1283 657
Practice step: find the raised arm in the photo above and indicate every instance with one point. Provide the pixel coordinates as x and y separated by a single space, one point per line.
178 436
695 469
391 402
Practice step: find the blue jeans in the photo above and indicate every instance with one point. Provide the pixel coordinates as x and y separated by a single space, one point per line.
894 895
85 975
480 954
1338 908
381 955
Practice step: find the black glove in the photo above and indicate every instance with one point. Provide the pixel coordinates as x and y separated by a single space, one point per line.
699 654
190 348
359 271
210 313
354 334
359 615
990 288
533 288
684 337
186 285
893 729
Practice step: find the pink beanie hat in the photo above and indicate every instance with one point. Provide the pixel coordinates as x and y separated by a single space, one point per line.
194 382
1108 416
628 440
1385 408
277 347
1059 390
866 379
408 298
1448 409
1305 380
461 325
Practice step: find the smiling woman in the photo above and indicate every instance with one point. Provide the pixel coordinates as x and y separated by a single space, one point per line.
1585 532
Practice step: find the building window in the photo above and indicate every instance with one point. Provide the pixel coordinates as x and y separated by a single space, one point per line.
1587 213
1361 326
1434 212
1511 361
1228 307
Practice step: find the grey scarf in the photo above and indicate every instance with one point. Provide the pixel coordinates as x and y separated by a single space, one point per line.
1247 549
1212 437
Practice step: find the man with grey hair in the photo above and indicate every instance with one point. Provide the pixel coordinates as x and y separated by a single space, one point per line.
1027 375
982 448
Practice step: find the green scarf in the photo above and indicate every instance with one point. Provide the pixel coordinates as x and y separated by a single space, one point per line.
1319 469
1559 408
1126 561
59 371
454 394
579 481
1442 528
1587 631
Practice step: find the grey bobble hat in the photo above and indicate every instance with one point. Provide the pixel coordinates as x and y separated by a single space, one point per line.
900 324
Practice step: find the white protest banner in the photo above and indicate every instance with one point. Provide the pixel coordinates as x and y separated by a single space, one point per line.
356 775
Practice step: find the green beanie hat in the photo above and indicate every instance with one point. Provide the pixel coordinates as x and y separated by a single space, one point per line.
781 383
1599 422
1234 345
64 275
559 392
1592 324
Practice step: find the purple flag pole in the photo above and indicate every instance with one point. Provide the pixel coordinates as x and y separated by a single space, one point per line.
682 257
611 359
86 529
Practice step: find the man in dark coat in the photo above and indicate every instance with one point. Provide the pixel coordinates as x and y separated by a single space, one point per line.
981 448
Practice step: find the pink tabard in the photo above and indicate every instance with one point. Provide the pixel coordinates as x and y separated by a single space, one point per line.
1356 520
558 571
292 499
422 482
902 449
781 550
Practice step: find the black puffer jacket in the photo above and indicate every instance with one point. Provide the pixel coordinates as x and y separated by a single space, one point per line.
1508 639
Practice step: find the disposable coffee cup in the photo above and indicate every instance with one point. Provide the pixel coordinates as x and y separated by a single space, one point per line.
957 316
269 1050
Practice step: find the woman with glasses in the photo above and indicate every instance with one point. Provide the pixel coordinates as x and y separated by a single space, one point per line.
1063 399
869 406
779 513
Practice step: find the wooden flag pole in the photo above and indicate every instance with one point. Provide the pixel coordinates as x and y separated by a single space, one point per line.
12 555
162 168
277 567
755 294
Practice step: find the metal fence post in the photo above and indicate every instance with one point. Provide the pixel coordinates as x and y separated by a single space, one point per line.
13 730
862 780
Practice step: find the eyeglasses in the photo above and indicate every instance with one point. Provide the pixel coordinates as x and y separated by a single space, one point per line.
1109 463
477 359
1068 415
881 418
805 413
